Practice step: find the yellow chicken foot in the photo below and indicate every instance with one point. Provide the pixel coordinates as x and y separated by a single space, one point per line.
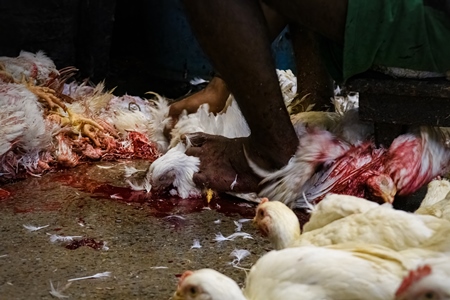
84 126
48 95
4 75
89 131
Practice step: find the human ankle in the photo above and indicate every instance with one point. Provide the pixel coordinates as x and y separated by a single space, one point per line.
219 91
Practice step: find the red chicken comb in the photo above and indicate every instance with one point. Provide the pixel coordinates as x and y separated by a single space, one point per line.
413 277
264 200
184 275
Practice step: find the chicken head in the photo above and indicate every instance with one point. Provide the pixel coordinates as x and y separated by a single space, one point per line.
381 188
419 284
207 284
177 169
278 222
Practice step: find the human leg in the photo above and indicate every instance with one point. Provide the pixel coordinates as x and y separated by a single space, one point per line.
216 93
314 84
236 38
325 17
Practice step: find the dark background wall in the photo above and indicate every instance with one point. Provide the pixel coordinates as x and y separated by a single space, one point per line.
72 32
134 45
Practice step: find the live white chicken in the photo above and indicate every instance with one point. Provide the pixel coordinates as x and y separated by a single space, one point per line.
381 225
308 273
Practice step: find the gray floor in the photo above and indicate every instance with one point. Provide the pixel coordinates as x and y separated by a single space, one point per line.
149 237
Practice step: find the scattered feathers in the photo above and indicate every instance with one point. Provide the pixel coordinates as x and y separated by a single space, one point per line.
220 238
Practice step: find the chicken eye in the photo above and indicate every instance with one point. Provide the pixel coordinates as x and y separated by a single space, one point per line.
261 213
162 178
429 295
193 290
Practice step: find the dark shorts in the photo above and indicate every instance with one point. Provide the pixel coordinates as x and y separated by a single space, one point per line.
394 33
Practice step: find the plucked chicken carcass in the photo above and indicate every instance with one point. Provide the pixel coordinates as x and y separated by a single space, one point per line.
381 225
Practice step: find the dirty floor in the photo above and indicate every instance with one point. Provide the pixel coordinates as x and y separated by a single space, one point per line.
143 239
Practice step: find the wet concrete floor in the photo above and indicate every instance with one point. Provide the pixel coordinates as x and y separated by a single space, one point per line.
144 240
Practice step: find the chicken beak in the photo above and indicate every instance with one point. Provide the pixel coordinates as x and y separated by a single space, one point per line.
255 223
177 295
389 196
388 199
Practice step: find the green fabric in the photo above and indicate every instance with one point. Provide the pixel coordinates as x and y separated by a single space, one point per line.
393 33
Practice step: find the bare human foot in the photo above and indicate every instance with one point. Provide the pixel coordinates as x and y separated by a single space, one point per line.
224 165
215 94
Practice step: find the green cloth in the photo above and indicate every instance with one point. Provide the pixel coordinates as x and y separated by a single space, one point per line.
393 33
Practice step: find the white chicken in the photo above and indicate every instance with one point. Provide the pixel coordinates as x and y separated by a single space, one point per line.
166 172
437 189
300 273
37 73
327 211
25 136
28 66
436 200
381 225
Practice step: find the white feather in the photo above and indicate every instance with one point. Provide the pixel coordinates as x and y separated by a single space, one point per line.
57 292
95 276
34 228
196 244
54 238
239 254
